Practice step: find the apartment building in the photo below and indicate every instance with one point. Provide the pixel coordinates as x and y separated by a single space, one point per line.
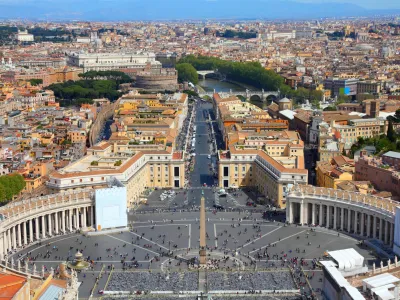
238 121
331 173
112 61
151 118
137 170
76 135
369 87
271 170
365 128
339 86
382 172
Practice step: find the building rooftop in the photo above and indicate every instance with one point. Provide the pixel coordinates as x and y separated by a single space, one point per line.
392 154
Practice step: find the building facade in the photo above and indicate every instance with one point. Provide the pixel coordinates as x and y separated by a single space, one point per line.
137 170
111 61
272 176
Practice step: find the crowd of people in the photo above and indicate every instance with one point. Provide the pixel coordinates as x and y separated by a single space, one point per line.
245 281
154 281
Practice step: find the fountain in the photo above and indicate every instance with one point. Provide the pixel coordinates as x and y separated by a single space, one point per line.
78 263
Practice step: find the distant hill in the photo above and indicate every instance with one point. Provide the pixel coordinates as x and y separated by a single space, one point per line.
123 10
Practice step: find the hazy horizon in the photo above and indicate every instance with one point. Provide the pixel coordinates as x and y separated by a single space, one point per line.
126 10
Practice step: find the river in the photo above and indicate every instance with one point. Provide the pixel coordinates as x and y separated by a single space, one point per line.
209 85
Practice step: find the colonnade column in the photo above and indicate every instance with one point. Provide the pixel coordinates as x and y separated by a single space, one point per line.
43 227
14 238
30 231
84 217
386 232
77 218
362 216
92 216
37 228
289 212
342 218
19 235
9 239
5 241
374 228
391 234
381 229
70 219
348 220
368 225
63 220
355 221
334 217
25 235
328 216
313 214
320 215
56 220
301 213
50 216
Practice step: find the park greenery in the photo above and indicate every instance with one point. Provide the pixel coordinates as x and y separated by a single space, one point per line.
191 93
251 73
186 72
237 34
337 35
10 186
35 81
93 85
118 77
383 143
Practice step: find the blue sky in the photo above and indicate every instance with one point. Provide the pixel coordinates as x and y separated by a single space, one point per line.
125 10
370 4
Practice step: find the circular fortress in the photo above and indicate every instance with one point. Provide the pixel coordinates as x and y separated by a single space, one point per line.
159 79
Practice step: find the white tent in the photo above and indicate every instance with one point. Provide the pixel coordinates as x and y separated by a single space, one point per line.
347 259
379 281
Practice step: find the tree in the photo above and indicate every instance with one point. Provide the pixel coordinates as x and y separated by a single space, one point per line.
10 185
390 132
35 82
330 108
186 72
191 93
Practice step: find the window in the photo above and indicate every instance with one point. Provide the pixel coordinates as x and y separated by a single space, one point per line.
176 171
226 171
243 169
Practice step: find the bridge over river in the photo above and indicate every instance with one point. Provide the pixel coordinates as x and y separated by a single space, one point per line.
263 95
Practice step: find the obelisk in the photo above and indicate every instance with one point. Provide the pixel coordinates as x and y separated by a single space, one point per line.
203 254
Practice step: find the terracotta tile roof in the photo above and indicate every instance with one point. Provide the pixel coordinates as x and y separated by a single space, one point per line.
177 155
100 146
10 284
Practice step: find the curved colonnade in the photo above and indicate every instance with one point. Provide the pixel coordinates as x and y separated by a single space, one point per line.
28 221
363 215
